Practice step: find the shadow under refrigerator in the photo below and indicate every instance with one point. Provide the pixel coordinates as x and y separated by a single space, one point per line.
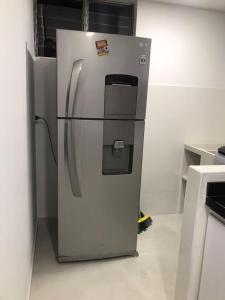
102 82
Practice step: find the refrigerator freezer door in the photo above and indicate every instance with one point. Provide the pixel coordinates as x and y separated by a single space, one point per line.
99 219
87 80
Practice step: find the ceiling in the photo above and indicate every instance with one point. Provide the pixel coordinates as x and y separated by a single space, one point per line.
207 4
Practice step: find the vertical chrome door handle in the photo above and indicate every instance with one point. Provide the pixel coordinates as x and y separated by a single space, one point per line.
71 157
72 88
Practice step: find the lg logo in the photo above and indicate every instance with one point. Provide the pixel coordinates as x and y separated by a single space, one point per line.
143 59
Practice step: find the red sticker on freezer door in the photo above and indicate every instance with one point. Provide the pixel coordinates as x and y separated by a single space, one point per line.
102 47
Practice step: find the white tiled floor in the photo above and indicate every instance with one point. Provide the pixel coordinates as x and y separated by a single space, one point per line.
151 276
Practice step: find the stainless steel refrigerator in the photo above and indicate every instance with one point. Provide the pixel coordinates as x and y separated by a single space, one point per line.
102 82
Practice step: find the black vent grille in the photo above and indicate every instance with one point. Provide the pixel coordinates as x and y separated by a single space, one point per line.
111 18
51 17
60 14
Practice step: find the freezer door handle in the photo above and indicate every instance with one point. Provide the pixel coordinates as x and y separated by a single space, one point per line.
73 87
70 151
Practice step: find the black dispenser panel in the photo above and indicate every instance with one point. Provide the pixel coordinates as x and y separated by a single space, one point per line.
215 197
121 96
118 144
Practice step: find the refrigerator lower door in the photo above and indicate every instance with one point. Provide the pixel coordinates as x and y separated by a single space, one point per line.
97 213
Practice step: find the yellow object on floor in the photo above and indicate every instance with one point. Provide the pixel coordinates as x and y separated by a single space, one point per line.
144 222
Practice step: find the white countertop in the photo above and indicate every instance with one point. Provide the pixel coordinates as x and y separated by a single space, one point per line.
203 148
214 169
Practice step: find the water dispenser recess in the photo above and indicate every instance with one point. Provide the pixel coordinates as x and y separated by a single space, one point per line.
118 144
120 96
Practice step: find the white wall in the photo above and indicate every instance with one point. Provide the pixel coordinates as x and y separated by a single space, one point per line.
186 101
17 222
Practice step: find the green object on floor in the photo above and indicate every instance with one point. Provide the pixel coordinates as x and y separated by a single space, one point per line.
144 221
